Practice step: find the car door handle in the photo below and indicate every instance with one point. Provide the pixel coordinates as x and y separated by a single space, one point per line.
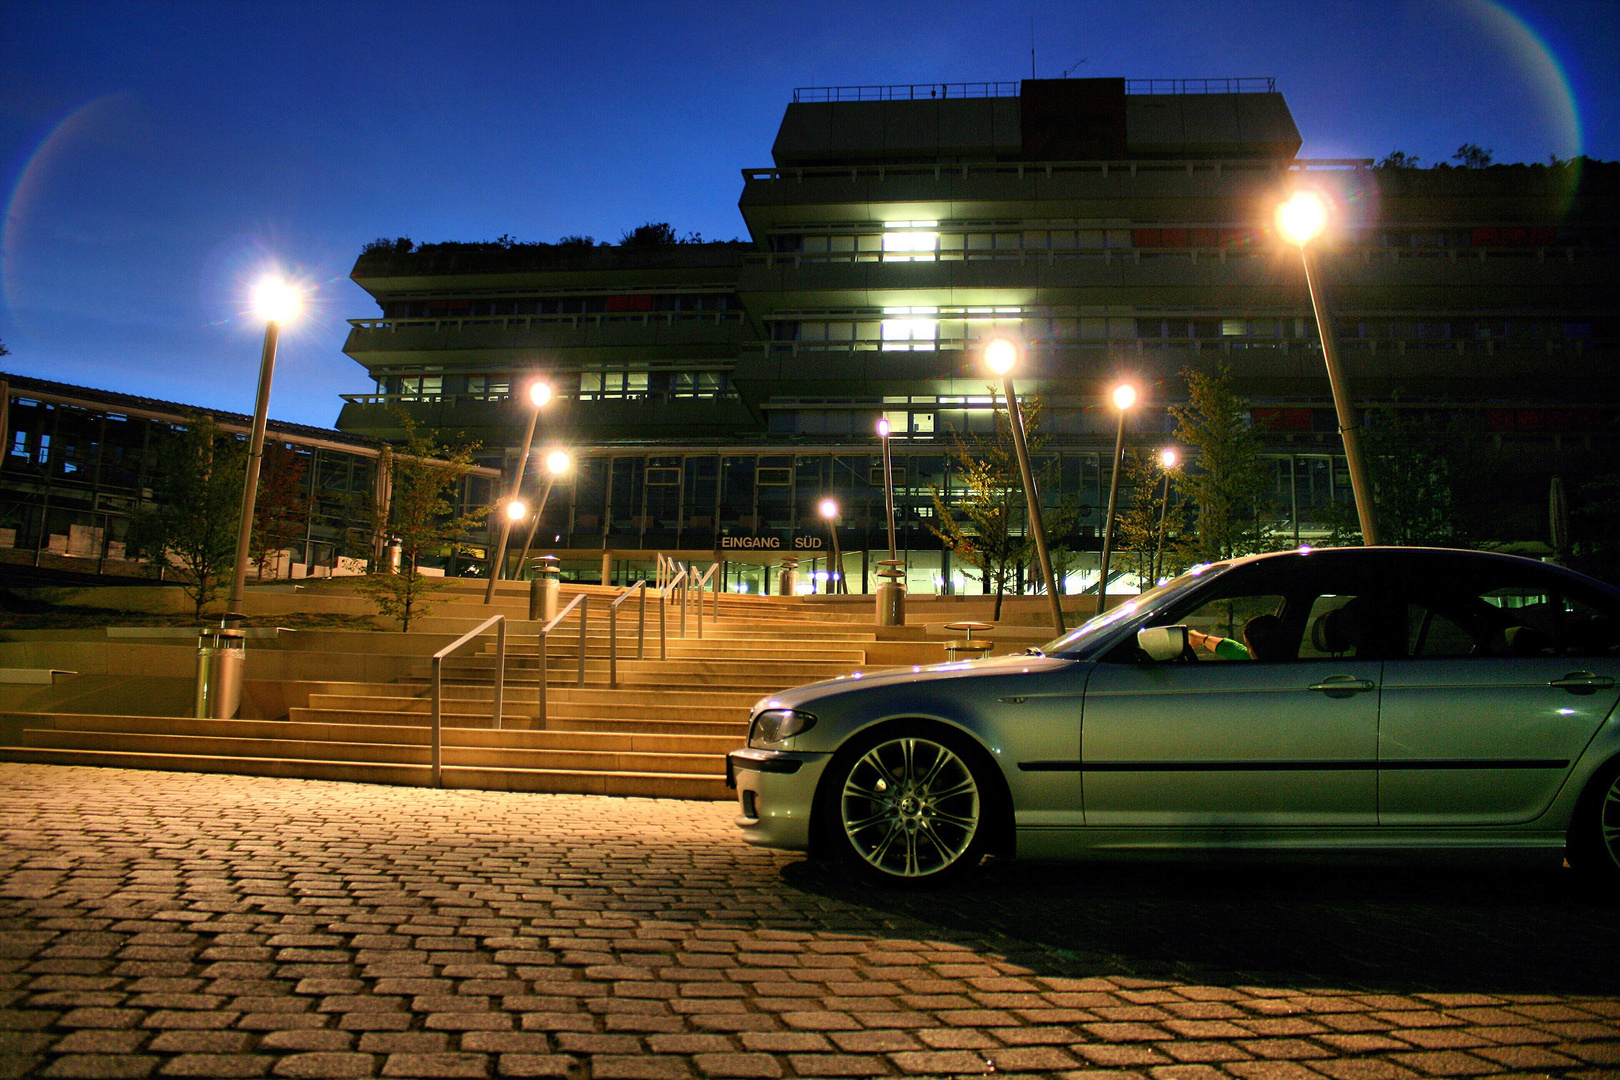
1583 682
1343 686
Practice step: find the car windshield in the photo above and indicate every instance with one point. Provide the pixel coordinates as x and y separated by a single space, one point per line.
1078 643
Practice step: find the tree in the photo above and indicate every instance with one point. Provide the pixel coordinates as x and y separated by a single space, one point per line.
1152 522
1399 159
422 478
281 507
987 528
652 234
1472 156
197 497
1226 478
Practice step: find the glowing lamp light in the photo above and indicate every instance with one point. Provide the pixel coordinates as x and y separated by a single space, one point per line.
1168 457
1001 355
883 427
558 462
539 393
517 510
1303 217
275 301
1124 396
829 509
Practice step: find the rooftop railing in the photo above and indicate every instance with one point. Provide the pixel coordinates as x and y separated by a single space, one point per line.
935 91
1031 169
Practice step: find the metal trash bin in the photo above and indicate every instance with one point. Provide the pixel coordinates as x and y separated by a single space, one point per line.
891 593
221 654
787 582
394 552
545 589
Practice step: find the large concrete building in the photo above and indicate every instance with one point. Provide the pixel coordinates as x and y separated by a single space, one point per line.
715 393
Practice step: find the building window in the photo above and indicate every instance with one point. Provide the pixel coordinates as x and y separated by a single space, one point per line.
910 241
910 333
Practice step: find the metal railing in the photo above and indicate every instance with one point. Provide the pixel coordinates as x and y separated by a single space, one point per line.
1047 169
926 91
905 92
437 723
583 603
640 589
712 576
678 581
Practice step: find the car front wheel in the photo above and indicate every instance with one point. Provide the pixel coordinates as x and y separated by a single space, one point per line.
1594 848
907 806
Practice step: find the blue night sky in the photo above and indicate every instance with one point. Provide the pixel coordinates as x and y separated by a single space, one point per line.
156 157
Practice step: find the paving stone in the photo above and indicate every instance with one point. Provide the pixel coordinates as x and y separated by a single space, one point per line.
237 924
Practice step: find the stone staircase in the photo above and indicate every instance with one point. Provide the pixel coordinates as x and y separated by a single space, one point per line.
663 731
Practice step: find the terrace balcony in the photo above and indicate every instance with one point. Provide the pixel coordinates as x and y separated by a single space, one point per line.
584 336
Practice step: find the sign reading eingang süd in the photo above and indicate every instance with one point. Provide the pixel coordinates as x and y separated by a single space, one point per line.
771 543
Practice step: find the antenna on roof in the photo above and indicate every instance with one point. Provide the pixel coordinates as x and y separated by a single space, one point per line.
1032 45
1066 71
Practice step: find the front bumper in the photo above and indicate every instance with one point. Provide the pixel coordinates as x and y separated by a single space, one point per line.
776 791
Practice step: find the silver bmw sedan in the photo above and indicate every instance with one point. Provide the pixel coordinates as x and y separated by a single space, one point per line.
1337 699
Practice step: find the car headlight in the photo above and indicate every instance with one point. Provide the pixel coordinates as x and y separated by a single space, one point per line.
778 725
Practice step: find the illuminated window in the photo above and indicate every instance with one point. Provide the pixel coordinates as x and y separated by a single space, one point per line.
910 241
909 333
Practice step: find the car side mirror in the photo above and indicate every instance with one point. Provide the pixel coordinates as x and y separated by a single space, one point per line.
1162 642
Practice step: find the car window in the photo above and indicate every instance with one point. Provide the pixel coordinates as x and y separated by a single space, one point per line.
1502 612
1238 628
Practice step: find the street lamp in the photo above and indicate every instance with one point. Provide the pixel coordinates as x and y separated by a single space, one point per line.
1001 355
1301 219
1167 461
891 590
829 510
274 301
557 463
1124 398
539 395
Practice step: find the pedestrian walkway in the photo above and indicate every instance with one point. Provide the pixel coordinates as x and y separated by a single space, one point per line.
186 924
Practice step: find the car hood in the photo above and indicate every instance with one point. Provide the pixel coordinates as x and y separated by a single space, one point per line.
869 680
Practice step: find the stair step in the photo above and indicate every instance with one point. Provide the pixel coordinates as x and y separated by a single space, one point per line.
560 781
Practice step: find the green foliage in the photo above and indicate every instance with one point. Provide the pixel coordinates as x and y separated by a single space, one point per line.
384 246
1472 156
986 529
423 478
1226 479
1150 525
197 502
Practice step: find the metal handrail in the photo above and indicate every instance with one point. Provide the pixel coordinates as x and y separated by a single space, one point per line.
702 580
663 602
582 601
640 588
499 623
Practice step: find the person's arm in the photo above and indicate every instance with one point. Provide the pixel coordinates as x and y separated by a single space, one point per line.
1223 648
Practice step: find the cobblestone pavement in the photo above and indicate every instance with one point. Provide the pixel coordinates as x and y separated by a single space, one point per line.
186 925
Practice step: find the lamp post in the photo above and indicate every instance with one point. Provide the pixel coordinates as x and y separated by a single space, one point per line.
1124 398
1001 355
829 510
1167 460
275 301
557 463
1301 219
539 394
891 590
